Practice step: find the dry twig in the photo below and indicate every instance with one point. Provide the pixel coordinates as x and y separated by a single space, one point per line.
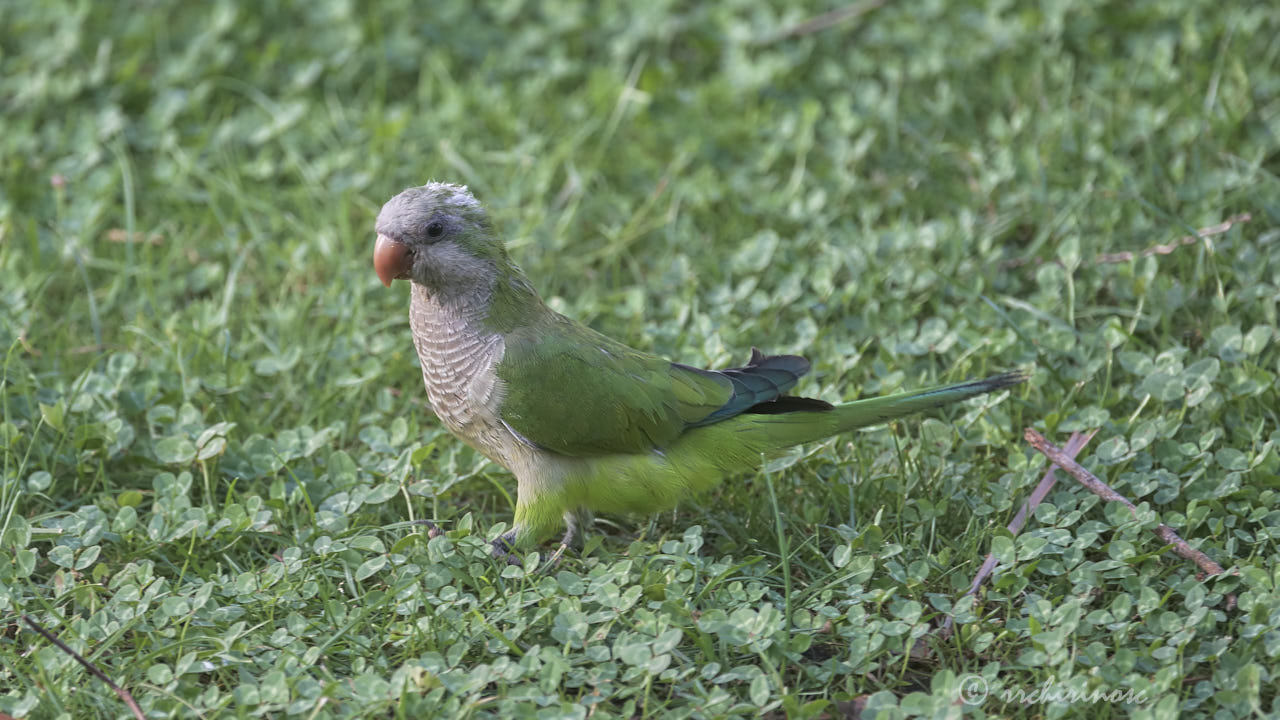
121 692
1201 234
1103 490
1074 445
818 23
1127 255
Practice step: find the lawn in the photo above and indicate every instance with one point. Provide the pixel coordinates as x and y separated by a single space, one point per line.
214 436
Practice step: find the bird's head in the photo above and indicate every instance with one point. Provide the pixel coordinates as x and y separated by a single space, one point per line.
439 236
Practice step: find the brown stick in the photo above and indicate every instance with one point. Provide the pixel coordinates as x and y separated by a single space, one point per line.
121 692
1127 255
1074 445
821 22
1103 490
1187 240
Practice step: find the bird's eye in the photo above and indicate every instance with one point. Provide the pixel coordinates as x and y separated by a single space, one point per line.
435 229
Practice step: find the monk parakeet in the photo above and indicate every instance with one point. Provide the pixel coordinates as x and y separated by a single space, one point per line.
585 423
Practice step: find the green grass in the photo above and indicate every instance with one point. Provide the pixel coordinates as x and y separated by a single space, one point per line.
214 434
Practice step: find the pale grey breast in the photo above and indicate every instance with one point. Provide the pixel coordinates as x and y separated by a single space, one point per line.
458 357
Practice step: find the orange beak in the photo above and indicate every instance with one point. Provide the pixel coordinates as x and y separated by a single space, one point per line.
391 259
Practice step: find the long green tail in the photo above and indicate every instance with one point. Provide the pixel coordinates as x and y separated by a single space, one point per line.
873 411
740 439
653 481
735 445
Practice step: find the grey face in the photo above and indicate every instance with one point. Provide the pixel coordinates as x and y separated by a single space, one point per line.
409 216
437 235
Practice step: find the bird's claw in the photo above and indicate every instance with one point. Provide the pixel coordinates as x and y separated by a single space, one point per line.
503 549
570 535
433 530
556 557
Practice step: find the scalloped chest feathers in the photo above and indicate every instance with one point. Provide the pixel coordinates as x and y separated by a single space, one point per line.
459 356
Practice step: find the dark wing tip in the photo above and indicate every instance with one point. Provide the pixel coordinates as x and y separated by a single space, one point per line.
762 380
1005 379
793 364
788 404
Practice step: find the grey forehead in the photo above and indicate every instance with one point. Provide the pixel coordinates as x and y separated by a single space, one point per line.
402 214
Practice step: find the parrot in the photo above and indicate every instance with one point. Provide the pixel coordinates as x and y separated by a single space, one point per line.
585 423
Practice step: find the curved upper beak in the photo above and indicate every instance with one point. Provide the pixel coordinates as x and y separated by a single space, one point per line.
391 259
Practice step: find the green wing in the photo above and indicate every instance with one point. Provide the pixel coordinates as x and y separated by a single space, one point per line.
573 391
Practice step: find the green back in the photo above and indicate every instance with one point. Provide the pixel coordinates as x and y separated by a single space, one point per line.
576 392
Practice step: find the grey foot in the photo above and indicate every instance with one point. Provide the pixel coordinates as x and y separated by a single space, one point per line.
504 547
566 542
433 530
573 522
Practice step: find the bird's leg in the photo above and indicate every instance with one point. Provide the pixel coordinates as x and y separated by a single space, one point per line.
573 521
433 530
504 546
